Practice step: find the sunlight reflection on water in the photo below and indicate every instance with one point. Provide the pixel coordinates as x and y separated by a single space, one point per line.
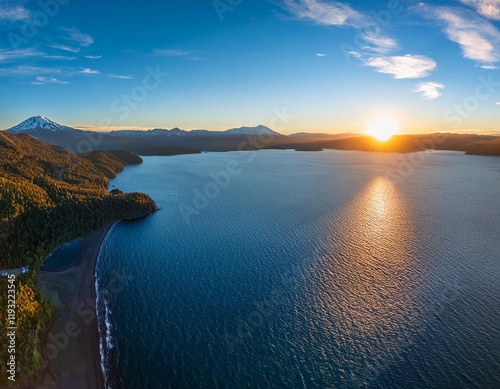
366 285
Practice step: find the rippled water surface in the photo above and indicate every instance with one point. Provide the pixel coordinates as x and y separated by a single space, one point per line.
306 270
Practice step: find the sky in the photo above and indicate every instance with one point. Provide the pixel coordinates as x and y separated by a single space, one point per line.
293 65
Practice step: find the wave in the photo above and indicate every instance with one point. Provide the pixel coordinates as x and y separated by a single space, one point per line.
104 324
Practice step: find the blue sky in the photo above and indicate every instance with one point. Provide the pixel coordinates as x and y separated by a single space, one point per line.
332 66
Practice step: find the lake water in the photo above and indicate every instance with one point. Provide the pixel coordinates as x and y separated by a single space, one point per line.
306 270
63 257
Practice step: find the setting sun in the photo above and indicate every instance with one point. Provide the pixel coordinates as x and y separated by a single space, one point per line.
382 128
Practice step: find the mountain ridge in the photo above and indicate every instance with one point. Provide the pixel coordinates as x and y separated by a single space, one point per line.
176 141
34 123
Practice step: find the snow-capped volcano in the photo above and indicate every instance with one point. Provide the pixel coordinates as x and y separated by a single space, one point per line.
259 130
36 123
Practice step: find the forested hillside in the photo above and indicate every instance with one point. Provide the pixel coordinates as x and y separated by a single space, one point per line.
49 196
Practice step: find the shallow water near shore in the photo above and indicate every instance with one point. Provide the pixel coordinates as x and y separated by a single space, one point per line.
65 256
306 270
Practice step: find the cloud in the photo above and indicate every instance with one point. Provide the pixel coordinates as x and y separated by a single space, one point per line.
320 55
75 40
430 90
23 70
59 46
327 14
58 72
13 54
488 8
60 57
488 67
89 71
478 38
408 66
121 77
14 14
77 37
93 56
172 52
342 15
380 43
40 80
497 103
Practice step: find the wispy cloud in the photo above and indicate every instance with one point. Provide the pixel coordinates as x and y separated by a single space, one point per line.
497 103
120 76
59 57
40 80
93 56
328 14
379 43
77 37
478 38
342 15
73 39
488 8
408 66
89 71
172 52
430 90
488 67
14 14
320 55
14 54
23 70
55 72
63 47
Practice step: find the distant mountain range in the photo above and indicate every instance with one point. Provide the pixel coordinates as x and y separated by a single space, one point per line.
157 141
241 131
81 141
42 124
173 141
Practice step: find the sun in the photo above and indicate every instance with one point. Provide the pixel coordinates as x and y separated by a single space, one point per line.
383 128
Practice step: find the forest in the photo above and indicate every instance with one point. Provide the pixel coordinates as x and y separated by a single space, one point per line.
49 196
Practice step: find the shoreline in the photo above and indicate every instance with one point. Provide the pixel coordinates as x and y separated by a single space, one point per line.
71 343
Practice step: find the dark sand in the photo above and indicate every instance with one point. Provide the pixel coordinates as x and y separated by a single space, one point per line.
71 343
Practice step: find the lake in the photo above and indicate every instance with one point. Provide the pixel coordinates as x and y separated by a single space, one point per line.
284 269
63 257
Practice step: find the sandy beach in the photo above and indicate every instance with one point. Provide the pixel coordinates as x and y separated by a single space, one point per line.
71 343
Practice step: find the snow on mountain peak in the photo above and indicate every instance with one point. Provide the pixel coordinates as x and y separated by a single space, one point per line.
36 123
259 130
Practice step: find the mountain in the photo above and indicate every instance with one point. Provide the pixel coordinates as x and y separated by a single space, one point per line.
36 123
246 131
177 132
175 141
157 132
80 141
42 128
